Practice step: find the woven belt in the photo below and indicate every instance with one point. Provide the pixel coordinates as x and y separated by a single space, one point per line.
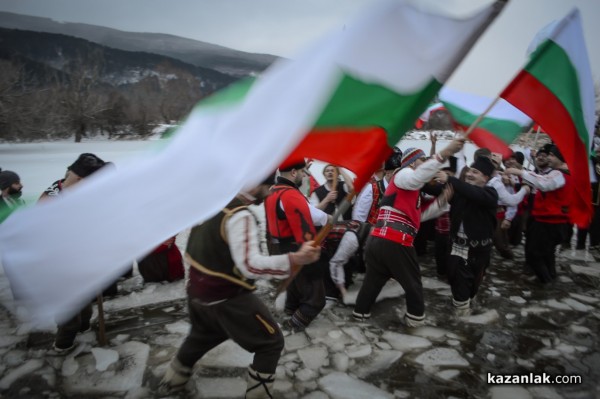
398 226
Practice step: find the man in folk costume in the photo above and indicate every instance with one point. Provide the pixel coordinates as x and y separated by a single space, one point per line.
390 252
550 219
473 221
290 222
368 201
85 165
330 195
343 247
225 256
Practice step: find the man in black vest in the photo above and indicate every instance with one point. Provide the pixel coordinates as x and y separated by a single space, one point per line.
225 256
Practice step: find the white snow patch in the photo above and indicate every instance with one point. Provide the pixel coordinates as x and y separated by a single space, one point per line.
381 360
104 358
483 318
588 271
295 341
127 374
342 386
227 354
437 357
585 298
430 332
553 303
580 329
448 374
512 392
179 327
221 387
405 343
27 368
313 357
358 351
578 305
517 299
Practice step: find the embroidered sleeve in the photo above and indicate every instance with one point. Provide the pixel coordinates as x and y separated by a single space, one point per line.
244 244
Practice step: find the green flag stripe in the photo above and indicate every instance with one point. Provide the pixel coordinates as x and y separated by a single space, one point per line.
561 79
359 104
505 130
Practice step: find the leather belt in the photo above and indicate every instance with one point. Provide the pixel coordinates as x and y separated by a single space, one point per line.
398 226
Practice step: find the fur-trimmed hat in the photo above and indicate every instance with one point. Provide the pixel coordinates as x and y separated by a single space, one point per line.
86 164
484 165
410 155
8 178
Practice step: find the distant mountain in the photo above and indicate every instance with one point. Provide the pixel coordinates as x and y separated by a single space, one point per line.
117 67
223 59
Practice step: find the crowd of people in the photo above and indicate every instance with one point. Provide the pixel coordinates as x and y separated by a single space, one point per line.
467 211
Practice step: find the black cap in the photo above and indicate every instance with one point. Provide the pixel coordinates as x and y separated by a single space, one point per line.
484 165
556 152
86 164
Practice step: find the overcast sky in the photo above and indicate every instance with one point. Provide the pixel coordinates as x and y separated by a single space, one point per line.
282 27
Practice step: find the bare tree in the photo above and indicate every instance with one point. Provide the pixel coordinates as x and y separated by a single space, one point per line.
81 100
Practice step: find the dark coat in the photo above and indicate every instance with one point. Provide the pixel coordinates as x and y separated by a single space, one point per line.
474 207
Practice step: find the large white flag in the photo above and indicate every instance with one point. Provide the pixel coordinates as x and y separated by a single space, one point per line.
386 65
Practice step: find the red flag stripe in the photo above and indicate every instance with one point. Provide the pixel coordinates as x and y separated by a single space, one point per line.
356 149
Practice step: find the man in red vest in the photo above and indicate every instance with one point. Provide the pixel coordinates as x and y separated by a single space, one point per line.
550 213
390 252
291 222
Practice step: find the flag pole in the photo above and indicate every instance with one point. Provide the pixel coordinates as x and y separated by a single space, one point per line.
101 325
535 140
480 117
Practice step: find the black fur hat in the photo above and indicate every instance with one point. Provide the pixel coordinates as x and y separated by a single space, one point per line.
86 164
484 165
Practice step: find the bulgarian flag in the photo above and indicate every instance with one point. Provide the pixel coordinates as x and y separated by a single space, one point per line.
556 90
346 100
500 126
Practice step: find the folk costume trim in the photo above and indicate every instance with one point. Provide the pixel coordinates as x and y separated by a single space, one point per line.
224 276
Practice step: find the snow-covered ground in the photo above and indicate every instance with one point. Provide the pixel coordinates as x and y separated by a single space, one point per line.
518 327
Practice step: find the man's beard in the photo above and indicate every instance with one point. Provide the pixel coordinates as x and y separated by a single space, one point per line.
13 193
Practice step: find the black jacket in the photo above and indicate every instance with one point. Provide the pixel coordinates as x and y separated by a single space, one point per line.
474 207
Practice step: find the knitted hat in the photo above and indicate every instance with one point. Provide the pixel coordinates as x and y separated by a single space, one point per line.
86 164
484 165
411 155
555 151
8 178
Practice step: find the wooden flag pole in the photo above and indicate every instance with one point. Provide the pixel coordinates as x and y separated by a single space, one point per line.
101 326
480 117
